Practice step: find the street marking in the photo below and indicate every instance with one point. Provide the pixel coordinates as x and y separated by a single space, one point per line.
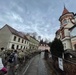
28 66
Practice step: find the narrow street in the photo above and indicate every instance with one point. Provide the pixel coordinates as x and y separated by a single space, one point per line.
37 66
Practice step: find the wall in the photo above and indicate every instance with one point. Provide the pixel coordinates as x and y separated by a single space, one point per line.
4 37
67 43
73 40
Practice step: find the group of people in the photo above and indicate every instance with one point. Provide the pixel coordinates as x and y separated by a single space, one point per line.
10 60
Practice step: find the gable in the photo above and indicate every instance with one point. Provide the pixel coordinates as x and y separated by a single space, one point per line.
5 30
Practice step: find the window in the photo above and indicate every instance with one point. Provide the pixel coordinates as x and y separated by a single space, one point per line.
14 38
33 47
75 16
21 47
22 40
64 45
18 39
62 34
12 47
17 46
24 47
73 32
25 41
65 21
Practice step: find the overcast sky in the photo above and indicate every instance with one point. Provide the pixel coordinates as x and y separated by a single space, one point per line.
39 16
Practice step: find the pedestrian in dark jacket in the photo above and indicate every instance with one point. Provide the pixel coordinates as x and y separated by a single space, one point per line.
13 61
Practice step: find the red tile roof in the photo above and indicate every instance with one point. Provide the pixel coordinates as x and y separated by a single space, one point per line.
65 11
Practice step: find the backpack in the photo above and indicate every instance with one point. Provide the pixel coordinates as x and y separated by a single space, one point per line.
11 58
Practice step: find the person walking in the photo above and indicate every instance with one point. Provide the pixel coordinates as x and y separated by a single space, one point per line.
13 61
21 57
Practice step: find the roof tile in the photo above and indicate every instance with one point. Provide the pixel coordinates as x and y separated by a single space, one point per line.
65 11
13 31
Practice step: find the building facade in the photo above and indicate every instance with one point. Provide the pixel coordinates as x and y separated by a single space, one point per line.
73 37
43 46
12 39
67 21
33 45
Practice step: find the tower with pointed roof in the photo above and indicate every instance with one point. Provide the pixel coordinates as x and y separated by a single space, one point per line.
65 23
65 18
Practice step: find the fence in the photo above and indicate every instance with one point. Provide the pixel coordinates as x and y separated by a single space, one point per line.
69 65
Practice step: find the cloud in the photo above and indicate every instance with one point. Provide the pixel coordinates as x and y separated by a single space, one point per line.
39 16
14 16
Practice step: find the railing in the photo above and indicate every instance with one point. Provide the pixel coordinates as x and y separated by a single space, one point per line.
69 65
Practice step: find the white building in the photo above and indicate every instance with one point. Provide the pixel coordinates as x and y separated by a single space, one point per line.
12 39
43 47
67 21
73 36
34 43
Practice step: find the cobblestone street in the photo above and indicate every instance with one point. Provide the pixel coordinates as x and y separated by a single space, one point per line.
37 66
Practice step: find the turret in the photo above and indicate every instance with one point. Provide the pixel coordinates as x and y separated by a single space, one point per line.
65 18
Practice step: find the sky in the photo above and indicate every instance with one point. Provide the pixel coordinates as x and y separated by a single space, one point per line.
40 16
